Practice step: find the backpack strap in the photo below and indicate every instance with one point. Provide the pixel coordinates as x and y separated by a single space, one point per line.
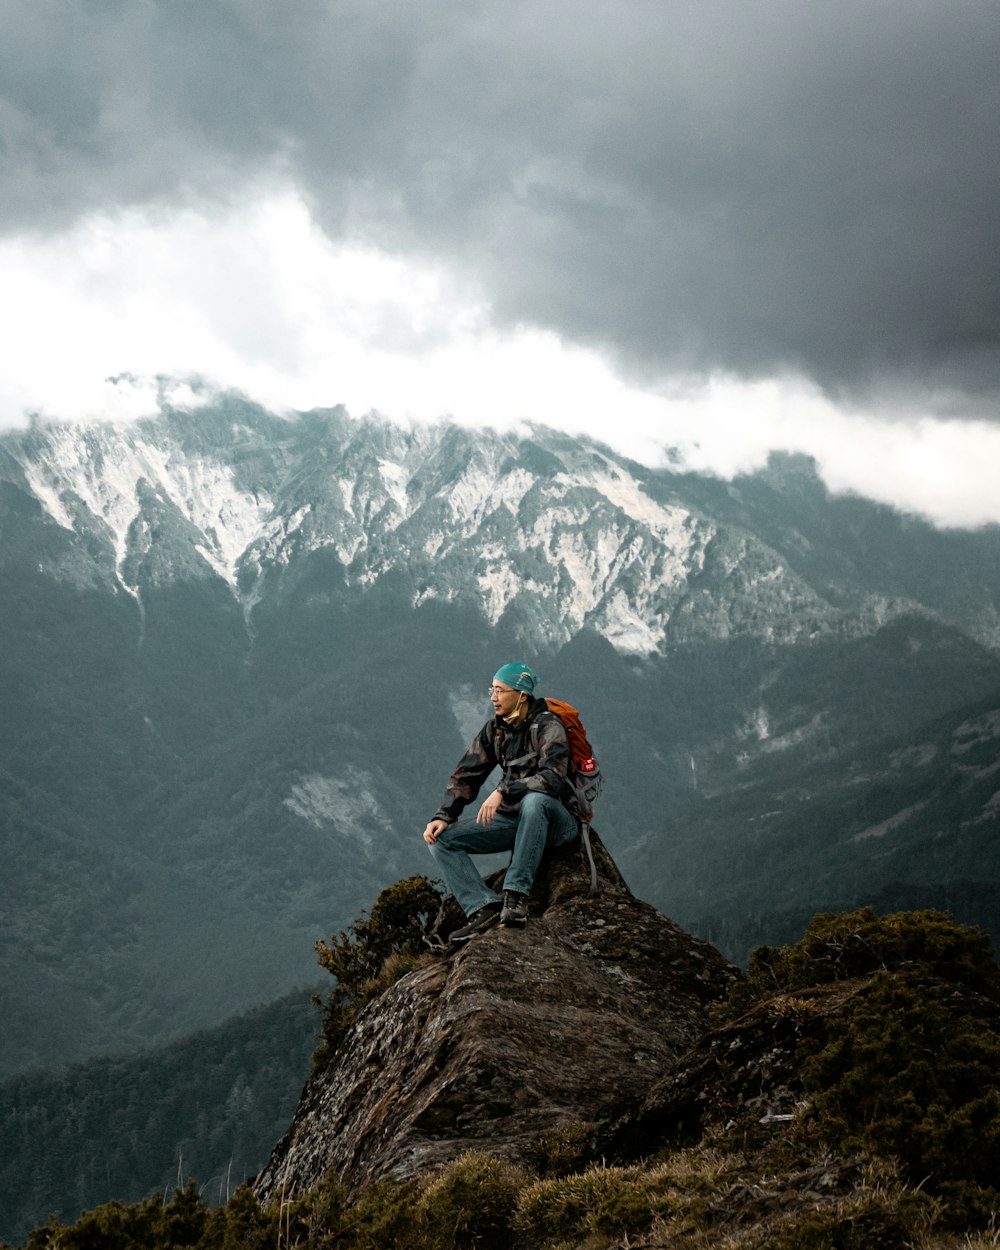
521 759
536 750
585 832
533 754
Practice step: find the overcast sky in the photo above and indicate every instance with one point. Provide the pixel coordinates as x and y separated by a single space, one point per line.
720 226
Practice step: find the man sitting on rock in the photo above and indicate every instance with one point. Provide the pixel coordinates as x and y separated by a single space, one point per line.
524 814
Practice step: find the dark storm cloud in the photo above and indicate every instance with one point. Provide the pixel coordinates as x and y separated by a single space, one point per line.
694 185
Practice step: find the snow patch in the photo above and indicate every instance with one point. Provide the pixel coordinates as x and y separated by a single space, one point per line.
886 826
772 575
583 568
396 480
229 518
500 585
433 544
476 494
100 471
671 524
913 757
212 560
103 466
758 726
271 544
470 708
345 804
47 496
626 630
794 736
971 732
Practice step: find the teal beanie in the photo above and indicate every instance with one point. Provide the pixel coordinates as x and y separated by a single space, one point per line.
517 676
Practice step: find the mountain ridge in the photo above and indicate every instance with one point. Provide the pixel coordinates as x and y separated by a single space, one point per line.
243 495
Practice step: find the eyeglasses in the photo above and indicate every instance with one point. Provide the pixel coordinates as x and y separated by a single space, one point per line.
500 690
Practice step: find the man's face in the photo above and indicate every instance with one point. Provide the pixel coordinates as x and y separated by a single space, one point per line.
503 698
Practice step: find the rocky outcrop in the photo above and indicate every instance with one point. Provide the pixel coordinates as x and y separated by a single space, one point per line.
493 1044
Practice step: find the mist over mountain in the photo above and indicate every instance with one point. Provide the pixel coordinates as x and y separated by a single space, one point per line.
241 653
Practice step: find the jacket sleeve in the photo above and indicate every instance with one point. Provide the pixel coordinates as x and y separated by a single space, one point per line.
552 769
473 768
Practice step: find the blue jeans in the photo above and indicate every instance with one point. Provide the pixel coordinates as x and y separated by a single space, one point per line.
541 821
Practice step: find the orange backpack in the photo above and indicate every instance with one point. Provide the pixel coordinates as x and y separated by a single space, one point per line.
586 779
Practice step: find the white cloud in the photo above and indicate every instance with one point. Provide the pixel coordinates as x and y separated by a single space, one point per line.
943 469
257 298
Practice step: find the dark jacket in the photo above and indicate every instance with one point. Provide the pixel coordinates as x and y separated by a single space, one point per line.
523 769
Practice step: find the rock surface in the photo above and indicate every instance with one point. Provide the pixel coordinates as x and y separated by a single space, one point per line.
747 1069
516 1033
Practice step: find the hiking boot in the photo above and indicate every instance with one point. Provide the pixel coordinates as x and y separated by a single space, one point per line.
481 920
515 910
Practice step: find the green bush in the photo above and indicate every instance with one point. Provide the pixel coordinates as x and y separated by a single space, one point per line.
243 1224
602 1200
870 1223
383 1218
568 1148
148 1225
469 1206
388 940
472 1204
908 1072
859 943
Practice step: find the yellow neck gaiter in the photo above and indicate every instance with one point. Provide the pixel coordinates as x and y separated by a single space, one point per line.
519 713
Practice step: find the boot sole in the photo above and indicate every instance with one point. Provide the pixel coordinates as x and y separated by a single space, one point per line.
483 928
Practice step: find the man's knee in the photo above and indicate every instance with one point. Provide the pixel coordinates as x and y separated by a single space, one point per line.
449 839
539 807
534 801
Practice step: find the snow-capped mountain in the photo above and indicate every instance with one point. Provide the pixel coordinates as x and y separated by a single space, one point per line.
565 534
240 654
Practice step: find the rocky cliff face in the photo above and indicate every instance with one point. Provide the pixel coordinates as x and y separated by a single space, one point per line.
516 1033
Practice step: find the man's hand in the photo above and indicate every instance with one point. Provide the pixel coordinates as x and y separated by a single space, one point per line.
434 831
488 810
